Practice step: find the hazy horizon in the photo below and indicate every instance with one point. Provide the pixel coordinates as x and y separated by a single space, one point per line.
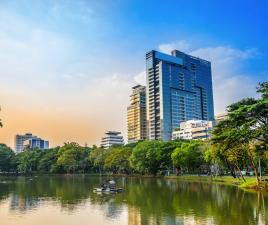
67 67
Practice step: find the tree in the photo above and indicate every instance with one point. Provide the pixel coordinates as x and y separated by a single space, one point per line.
70 156
27 161
97 157
117 159
214 157
6 158
164 154
244 135
188 156
145 157
48 162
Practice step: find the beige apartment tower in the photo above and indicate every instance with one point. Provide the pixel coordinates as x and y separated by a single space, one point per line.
136 115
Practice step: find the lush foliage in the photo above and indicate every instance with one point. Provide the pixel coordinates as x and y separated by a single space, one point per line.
189 156
242 139
147 157
6 158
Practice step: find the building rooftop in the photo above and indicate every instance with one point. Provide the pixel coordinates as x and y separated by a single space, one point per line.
112 132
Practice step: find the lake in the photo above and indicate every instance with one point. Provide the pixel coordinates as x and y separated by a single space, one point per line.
70 200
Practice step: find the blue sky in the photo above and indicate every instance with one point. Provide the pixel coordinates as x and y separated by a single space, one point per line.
68 66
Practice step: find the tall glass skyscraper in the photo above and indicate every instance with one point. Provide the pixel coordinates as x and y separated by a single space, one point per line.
179 88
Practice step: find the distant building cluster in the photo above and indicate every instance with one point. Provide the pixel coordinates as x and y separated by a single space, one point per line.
177 103
29 141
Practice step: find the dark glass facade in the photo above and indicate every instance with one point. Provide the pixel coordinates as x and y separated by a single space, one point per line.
179 88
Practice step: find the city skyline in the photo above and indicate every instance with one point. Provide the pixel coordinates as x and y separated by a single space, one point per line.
67 70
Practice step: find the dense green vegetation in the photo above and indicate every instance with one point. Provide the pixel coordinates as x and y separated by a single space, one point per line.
147 157
239 143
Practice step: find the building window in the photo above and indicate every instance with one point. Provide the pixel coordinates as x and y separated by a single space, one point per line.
181 80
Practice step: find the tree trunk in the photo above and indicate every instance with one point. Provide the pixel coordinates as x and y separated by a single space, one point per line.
230 168
254 168
240 172
255 171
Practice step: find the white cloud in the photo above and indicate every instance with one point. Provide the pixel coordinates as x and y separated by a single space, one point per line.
230 82
181 45
42 73
140 78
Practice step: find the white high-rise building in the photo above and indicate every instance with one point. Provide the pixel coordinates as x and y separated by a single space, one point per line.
193 129
112 138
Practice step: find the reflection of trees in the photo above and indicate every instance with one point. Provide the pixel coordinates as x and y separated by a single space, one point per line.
149 201
171 201
68 190
5 189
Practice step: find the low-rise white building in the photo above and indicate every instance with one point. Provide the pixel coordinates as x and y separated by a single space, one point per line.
112 138
220 117
193 129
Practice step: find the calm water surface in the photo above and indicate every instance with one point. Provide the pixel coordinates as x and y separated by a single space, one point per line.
69 200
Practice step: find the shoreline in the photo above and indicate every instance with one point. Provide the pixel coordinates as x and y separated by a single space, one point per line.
249 185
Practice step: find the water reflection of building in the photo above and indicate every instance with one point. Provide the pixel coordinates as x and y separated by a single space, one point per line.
134 216
113 210
23 204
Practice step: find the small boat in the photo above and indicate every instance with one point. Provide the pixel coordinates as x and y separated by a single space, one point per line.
109 187
108 190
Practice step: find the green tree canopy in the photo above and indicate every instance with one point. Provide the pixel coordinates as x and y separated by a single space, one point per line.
71 157
28 160
6 158
188 156
145 157
48 162
117 159
243 136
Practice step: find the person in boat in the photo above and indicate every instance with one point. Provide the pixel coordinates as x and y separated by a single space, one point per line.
112 184
103 186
